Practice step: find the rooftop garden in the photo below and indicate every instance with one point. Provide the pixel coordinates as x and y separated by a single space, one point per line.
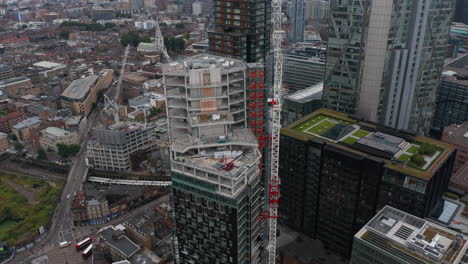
319 124
419 156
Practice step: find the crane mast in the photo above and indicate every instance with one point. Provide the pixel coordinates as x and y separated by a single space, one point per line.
275 127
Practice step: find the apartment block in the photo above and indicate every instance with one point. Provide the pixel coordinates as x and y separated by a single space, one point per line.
385 58
52 136
217 194
336 172
241 29
396 237
118 147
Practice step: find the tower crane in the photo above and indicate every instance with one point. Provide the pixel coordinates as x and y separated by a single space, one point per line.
113 105
275 103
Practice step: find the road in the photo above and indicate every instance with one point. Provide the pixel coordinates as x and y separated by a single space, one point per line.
62 221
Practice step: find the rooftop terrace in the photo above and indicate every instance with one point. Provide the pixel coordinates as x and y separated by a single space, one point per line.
413 239
418 156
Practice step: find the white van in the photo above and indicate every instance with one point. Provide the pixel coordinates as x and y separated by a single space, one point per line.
64 244
68 197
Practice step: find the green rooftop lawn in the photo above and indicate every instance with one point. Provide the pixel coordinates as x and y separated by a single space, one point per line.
404 157
350 140
360 133
309 122
322 127
413 149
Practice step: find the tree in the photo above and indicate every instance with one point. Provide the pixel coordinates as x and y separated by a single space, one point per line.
130 38
418 160
24 26
179 25
427 149
19 146
186 35
155 110
65 34
100 95
68 150
179 44
145 39
41 154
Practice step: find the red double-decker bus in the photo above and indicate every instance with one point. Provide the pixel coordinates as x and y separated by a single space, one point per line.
84 243
87 252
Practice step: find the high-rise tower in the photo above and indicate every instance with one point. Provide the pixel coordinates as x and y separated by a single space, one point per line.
384 59
296 13
217 193
241 29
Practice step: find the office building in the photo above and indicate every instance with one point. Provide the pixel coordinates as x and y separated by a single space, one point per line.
217 194
317 10
459 181
119 147
396 237
384 61
241 30
296 16
52 136
81 94
461 12
23 129
452 95
336 172
303 67
457 135
301 103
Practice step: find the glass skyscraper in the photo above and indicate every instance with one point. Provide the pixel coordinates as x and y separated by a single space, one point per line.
384 59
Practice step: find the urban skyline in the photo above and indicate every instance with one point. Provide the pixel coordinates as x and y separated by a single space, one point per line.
234 131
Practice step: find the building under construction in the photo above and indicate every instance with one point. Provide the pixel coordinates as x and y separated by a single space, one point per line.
216 181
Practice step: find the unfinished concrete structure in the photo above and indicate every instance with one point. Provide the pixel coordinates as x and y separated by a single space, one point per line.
214 162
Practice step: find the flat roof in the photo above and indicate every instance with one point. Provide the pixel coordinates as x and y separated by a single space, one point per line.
307 94
27 123
412 239
395 147
48 64
78 89
456 134
119 241
460 178
58 132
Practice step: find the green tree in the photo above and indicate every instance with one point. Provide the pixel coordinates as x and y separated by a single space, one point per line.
41 154
418 160
19 146
427 149
65 34
179 44
24 26
145 39
186 35
100 95
130 38
67 150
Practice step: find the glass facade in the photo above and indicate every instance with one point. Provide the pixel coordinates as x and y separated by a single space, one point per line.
384 60
242 29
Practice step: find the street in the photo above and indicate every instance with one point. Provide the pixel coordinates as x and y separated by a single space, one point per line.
62 222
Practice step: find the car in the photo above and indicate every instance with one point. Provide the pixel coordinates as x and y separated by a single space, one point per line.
68 197
65 244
